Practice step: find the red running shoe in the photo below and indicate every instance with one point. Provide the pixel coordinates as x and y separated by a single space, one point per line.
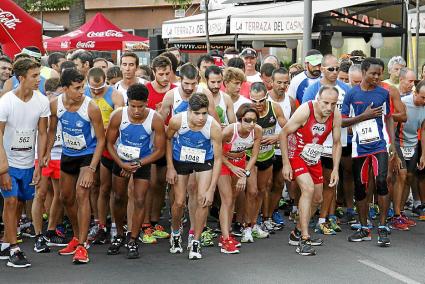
228 247
70 248
408 221
81 255
398 224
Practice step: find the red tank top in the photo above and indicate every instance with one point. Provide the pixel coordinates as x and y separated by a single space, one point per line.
307 141
154 97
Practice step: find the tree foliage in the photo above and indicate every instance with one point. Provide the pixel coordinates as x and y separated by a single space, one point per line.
181 3
44 5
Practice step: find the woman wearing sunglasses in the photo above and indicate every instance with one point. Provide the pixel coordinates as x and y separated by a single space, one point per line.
237 137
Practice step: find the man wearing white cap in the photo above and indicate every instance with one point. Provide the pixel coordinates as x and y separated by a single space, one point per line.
249 57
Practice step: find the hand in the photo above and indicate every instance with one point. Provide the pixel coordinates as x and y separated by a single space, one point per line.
238 171
370 112
206 198
130 167
287 172
125 174
87 178
46 160
396 164
241 184
5 182
334 178
269 140
158 106
36 176
171 176
421 164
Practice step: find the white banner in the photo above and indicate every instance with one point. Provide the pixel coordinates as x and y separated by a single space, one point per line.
412 22
272 25
192 29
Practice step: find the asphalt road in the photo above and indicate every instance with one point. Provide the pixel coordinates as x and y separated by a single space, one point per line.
266 261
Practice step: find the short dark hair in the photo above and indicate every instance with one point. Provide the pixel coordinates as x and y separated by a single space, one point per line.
113 72
54 58
205 58
198 101
345 66
173 59
371 61
69 76
267 69
236 62
52 84
244 109
4 58
21 66
148 71
100 59
327 87
281 70
160 62
21 55
173 48
420 85
188 71
131 54
213 69
84 56
68 65
258 87
97 74
231 50
138 92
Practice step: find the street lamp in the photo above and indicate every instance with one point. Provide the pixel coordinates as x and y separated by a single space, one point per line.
337 41
377 41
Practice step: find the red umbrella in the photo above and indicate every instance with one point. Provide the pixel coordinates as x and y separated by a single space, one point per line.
97 34
17 29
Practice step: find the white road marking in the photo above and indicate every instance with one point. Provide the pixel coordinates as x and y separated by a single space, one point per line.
389 272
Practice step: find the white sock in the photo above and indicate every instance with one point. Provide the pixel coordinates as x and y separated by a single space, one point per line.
322 220
5 246
294 209
13 250
18 230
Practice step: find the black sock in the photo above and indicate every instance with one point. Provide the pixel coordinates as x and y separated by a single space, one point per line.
50 233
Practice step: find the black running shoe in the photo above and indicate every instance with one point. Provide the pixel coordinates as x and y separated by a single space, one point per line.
40 245
18 260
295 236
237 229
28 231
4 254
100 237
383 239
360 235
305 248
115 246
57 241
133 250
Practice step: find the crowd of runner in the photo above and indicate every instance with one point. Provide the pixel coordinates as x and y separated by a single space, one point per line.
92 153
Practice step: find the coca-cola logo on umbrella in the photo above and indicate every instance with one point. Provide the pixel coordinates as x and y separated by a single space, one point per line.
108 33
9 19
74 33
85 44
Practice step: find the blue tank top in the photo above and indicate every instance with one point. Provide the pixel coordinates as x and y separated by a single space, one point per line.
107 97
135 140
15 84
193 146
180 105
78 135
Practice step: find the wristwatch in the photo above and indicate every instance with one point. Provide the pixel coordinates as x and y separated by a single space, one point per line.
247 173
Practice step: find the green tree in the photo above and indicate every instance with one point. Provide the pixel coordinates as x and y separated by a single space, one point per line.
77 14
43 5
185 3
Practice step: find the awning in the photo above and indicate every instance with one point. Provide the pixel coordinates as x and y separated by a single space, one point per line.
276 18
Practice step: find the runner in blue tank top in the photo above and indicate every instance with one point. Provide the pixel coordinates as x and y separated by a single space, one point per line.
135 139
193 145
83 140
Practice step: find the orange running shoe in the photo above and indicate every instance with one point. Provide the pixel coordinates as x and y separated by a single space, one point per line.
81 255
70 248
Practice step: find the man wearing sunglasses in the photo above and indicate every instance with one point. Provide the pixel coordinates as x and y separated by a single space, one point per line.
107 99
330 69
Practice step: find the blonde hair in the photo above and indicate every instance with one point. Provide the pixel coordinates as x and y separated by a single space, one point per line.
232 73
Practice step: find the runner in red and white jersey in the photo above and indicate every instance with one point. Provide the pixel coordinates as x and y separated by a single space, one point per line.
301 146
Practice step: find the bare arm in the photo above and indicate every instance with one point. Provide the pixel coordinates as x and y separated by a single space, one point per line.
42 139
117 99
258 133
53 125
96 120
399 114
112 134
159 140
389 122
4 164
231 117
293 105
173 127
216 140
422 157
166 104
369 113
336 148
211 105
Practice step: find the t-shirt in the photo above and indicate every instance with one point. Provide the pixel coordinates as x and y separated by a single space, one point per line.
369 136
254 78
406 134
298 85
21 127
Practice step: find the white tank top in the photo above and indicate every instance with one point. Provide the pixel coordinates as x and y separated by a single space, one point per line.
239 144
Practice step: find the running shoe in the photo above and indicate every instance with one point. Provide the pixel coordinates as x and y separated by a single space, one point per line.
190 238
56 241
258 233
259 219
70 248
92 233
294 216
176 244
230 239
390 213
5 254
40 245
408 221
383 239
372 213
397 223
81 255
305 248
211 232
422 215
133 250
28 231
160 233
228 246
278 218
294 237
237 229
417 211
268 227
18 260
247 235
334 225
113 231
357 226
115 246
195 250
361 234
100 237
207 239
339 212
147 236
324 229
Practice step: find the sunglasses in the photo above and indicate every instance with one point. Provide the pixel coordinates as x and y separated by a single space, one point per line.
332 69
98 88
249 120
258 101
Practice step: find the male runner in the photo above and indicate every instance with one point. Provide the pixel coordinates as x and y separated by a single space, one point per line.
308 128
135 139
129 65
23 112
193 145
232 81
83 140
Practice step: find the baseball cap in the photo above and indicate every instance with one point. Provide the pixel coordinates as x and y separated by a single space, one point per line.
314 59
248 52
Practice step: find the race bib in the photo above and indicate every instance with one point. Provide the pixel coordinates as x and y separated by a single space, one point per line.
128 153
193 155
327 151
408 152
23 140
311 153
58 139
77 142
367 131
265 148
